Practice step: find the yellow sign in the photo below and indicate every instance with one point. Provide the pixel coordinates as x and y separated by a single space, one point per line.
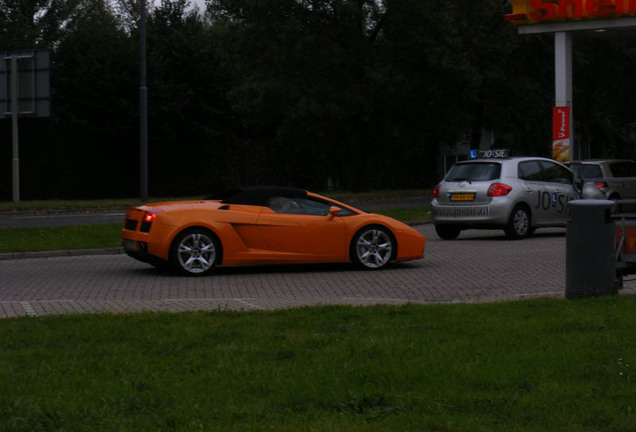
544 11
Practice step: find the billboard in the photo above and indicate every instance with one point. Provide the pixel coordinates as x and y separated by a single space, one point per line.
549 11
33 83
561 133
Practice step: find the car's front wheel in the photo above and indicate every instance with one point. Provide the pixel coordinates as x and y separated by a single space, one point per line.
518 226
447 232
195 252
373 247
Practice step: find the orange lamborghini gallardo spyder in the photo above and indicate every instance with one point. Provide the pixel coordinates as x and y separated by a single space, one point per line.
265 225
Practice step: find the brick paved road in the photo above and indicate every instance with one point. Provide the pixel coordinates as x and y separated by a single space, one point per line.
480 266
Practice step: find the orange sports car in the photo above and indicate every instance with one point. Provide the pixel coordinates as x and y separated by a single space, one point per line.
264 225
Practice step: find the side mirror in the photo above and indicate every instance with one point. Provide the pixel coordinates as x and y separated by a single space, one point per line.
333 212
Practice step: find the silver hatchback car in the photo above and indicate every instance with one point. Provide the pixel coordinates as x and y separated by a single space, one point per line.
615 179
516 194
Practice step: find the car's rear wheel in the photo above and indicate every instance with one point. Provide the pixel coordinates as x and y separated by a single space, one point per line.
518 226
195 252
447 232
373 247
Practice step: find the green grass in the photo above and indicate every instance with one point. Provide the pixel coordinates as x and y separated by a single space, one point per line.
379 195
60 238
541 365
78 205
418 214
122 203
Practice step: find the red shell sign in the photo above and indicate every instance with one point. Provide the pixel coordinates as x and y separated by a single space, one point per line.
543 11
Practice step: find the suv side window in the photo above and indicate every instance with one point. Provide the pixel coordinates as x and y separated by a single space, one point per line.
618 169
623 169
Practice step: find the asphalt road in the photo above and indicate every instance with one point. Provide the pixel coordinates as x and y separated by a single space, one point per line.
480 266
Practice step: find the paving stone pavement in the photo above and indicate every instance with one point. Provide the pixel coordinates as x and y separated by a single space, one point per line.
480 266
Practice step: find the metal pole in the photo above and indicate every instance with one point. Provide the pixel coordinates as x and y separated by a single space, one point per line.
143 105
14 126
563 81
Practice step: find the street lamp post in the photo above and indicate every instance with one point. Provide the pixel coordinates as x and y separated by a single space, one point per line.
143 105
15 109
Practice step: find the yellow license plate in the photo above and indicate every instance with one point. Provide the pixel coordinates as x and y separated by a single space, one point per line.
463 197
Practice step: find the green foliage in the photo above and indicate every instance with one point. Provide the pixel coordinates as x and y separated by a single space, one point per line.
524 366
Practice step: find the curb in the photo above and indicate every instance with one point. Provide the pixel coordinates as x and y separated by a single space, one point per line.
60 253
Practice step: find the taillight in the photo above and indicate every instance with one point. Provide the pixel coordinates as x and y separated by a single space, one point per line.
149 216
499 189
601 184
436 191
147 219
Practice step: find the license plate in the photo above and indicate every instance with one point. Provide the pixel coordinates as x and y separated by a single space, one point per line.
462 197
130 244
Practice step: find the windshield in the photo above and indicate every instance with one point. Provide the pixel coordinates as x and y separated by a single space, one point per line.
482 171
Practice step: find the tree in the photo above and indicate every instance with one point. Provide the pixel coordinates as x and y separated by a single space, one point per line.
358 94
189 113
604 82
94 107
28 24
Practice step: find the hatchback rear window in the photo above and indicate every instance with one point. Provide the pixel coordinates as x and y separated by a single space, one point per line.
482 171
586 170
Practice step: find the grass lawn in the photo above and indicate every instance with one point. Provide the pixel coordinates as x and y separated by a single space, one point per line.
122 203
540 365
60 238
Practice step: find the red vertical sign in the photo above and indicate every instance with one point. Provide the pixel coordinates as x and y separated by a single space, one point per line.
561 133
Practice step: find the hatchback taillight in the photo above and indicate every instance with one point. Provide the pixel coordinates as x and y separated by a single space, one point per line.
499 189
601 184
436 191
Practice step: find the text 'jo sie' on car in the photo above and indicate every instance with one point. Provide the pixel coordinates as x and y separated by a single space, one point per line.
516 194
265 225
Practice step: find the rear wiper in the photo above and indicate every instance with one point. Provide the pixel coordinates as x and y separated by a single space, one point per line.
459 179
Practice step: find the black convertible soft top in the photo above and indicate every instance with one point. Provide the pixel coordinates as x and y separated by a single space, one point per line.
256 195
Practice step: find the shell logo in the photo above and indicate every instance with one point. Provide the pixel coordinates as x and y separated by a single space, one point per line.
542 11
